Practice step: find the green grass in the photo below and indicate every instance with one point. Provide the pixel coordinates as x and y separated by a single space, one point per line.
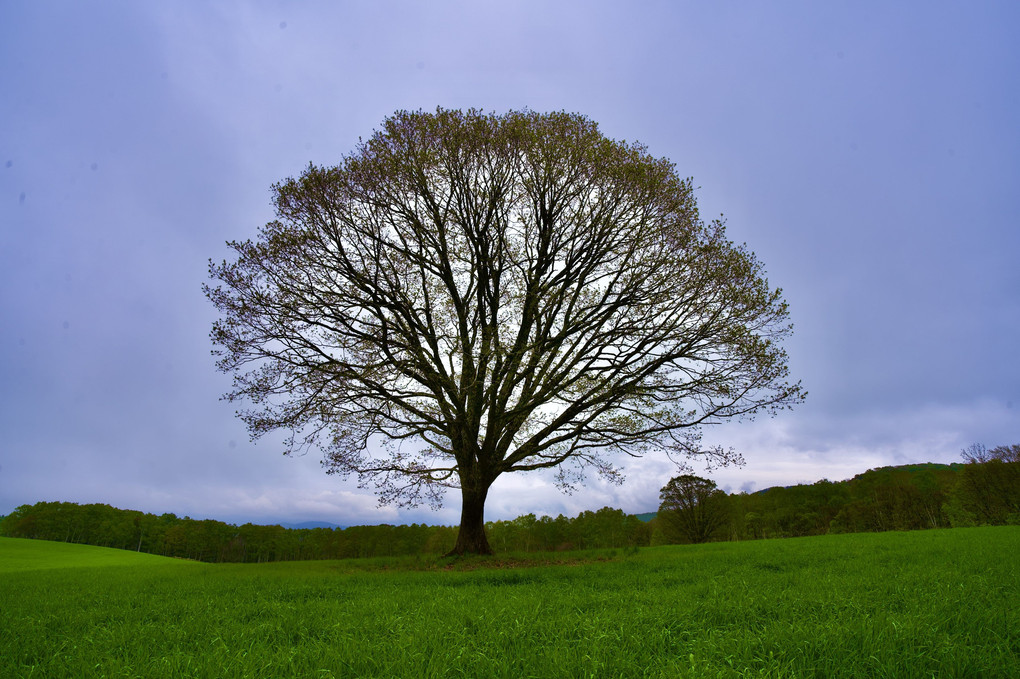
921 604
29 555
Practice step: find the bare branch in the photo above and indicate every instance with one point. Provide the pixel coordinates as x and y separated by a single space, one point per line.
469 294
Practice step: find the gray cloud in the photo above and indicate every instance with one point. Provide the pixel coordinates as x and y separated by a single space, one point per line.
868 159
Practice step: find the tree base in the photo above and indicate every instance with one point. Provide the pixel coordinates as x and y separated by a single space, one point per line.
471 537
456 553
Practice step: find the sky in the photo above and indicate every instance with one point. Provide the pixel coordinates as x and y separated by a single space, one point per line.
867 152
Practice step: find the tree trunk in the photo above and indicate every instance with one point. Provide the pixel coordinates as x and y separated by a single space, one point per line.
471 536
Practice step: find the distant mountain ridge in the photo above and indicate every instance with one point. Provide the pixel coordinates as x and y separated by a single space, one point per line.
311 524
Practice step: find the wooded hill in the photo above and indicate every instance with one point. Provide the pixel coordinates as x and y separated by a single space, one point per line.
908 497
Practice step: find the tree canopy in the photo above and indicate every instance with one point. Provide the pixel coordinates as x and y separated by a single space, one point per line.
469 294
692 509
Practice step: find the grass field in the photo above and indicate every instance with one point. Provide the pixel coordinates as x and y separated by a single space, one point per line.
928 603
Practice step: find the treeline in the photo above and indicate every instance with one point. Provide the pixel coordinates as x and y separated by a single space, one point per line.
889 498
985 490
216 541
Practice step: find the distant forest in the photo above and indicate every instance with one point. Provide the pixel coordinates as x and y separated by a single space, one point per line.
983 491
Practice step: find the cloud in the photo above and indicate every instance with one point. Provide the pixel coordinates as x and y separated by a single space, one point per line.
877 188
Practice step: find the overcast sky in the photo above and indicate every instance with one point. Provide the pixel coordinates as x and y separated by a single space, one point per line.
868 153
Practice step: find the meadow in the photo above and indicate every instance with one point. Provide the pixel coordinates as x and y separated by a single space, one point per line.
942 603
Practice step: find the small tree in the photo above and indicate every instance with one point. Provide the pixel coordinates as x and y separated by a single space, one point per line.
470 295
977 453
988 490
692 509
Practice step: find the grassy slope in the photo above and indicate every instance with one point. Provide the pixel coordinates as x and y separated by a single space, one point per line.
894 604
17 554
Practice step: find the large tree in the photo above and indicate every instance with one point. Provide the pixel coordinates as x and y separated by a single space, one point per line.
468 295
